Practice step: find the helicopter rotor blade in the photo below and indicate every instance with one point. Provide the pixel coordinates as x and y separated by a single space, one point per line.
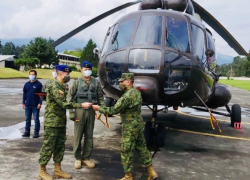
212 22
92 21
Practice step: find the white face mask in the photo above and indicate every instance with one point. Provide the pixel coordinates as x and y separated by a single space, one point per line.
32 77
87 73
54 74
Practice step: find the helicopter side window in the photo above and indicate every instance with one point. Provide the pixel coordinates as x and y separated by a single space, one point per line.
177 34
149 30
144 61
107 40
212 62
122 35
198 40
115 66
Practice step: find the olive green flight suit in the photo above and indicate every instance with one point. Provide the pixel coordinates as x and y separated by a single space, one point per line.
80 92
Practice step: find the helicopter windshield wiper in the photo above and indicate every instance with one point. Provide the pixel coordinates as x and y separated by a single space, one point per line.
173 41
114 37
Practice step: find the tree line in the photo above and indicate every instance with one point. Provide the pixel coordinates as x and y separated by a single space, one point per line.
40 52
238 68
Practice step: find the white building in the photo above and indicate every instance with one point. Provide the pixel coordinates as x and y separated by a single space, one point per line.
69 60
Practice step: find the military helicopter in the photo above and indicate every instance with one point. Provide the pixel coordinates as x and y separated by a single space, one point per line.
172 54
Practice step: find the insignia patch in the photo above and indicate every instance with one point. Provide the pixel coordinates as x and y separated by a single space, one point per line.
60 92
66 70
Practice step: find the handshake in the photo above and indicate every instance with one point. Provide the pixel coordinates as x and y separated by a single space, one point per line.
88 105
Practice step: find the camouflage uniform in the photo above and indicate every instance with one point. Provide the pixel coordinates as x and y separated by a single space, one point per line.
47 85
55 123
129 107
84 118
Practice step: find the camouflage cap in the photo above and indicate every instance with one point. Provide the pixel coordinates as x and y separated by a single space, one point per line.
127 76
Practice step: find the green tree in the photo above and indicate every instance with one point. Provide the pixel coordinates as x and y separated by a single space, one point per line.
28 63
87 53
1 47
8 49
77 52
41 49
19 51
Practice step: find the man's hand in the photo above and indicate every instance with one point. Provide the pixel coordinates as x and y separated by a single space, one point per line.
86 105
96 107
23 106
39 106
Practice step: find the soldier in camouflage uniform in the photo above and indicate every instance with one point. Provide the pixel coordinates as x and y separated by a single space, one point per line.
49 83
55 124
84 89
129 107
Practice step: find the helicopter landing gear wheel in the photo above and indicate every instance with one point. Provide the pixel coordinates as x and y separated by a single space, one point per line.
235 114
148 133
160 135
155 135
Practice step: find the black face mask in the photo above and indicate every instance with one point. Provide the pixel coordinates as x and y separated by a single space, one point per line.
66 78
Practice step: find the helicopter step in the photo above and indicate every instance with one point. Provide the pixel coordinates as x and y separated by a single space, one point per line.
155 133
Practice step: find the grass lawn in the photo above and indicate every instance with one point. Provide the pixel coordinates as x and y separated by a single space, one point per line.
242 84
41 73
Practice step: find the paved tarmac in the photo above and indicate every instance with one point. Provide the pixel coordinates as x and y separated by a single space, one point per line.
193 150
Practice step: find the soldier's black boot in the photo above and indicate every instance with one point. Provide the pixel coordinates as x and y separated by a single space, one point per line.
36 135
26 134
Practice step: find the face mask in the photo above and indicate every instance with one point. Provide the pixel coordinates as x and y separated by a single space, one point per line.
32 77
87 73
54 74
66 78
122 87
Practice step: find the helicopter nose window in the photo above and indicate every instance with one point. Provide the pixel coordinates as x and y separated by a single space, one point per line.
176 72
149 30
115 66
144 61
177 34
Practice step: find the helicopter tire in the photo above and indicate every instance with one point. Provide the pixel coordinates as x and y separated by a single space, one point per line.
160 136
235 114
148 133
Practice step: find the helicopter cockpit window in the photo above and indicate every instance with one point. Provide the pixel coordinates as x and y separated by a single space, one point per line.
177 34
210 45
115 66
144 61
121 36
198 40
107 40
149 30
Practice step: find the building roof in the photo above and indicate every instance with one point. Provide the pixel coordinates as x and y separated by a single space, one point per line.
67 55
6 57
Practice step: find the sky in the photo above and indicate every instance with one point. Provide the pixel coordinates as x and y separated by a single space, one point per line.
55 18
